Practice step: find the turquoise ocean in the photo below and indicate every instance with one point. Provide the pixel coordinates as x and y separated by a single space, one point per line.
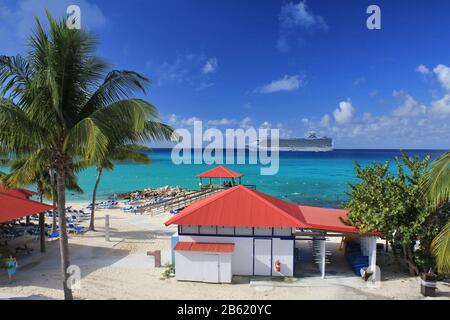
309 178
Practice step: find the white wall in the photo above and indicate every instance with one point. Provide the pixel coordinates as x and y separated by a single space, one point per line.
200 266
242 257
283 250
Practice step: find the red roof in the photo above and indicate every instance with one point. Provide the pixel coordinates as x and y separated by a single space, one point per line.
21 193
15 207
243 207
220 172
204 247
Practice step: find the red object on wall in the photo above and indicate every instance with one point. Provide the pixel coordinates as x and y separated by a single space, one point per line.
277 266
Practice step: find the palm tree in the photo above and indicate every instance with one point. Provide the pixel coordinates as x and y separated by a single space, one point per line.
441 249
61 106
39 174
438 180
129 152
126 151
438 191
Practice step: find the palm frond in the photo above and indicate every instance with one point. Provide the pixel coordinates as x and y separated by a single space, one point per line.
118 85
87 139
17 132
441 249
157 131
437 182
131 153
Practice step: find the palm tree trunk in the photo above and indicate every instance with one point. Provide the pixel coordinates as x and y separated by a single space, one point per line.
42 227
63 239
94 196
54 198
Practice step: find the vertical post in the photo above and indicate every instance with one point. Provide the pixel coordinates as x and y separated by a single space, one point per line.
373 255
323 254
107 228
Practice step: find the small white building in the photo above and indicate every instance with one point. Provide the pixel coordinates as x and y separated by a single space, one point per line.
241 231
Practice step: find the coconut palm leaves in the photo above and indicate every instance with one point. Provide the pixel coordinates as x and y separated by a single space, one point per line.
117 153
61 105
438 180
438 191
441 249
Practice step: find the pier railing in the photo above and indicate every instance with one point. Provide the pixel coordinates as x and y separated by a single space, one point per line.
179 202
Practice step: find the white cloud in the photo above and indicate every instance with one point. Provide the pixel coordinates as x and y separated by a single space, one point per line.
422 69
173 119
205 85
185 70
210 66
298 16
287 83
189 121
221 122
443 74
344 113
410 124
265 125
245 123
325 121
441 106
409 107
295 19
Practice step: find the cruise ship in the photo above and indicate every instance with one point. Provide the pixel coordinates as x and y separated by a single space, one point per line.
311 143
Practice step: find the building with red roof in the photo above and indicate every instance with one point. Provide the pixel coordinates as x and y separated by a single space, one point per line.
241 231
12 207
220 172
17 192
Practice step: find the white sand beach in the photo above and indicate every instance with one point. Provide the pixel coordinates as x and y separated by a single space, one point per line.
121 269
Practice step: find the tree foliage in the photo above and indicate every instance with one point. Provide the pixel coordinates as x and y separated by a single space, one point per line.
394 204
61 106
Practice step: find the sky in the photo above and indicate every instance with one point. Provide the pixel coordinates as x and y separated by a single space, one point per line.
298 66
